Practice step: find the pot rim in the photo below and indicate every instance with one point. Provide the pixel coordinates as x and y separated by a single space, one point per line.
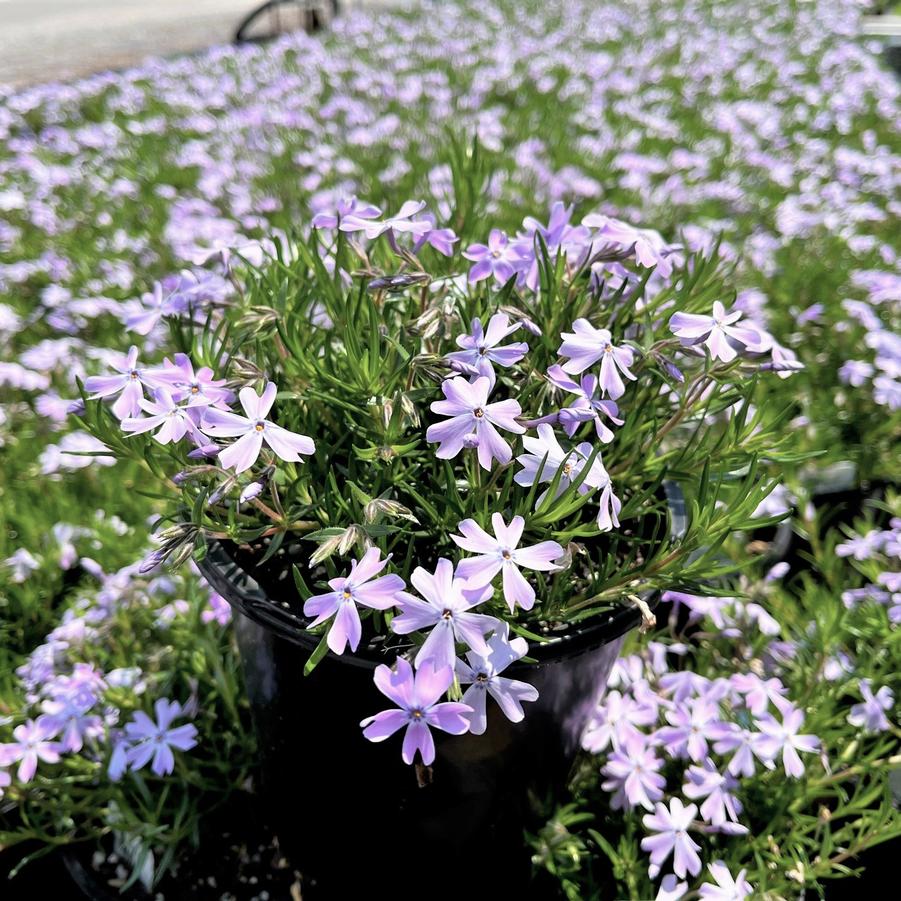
247 597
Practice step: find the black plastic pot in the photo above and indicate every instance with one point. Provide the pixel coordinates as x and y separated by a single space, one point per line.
350 814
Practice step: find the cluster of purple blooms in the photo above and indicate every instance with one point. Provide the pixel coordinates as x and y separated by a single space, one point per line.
883 548
443 611
718 731
178 402
801 159
75 706
184 403
677 747
884 372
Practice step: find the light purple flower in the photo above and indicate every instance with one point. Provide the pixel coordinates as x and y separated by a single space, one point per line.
757 693
481 347
419 711
32 743
402 221
671 825
173 421
482 675
855 372
118 763
72 719
445 610
357 588
198 388
585 345
727 888
473 419
502 554
442 239
545 454
647 245
154 740
688 732
358 209
719 332
618 721
588 406
776 737
633 775
499 259
219 610
731 737
128 384
718 788
870 715
253 429
671 889
22 563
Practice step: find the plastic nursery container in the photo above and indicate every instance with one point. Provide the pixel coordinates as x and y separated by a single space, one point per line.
349 813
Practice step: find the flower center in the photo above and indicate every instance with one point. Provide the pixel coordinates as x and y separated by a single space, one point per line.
478 412
260 426
417 714
195 388
482 677
608 348
133 374
567 468
346 594
447 613
507 554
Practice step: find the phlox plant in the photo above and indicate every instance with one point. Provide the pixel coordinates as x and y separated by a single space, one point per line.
132 202
751 748
462 457
105 740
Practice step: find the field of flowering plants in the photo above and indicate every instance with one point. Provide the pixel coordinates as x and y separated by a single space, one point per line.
374 229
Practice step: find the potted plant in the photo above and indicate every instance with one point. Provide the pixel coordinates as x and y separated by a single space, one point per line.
441 487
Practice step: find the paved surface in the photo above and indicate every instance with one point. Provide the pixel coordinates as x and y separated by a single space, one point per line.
49 40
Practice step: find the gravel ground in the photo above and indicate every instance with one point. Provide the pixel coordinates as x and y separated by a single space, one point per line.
49 40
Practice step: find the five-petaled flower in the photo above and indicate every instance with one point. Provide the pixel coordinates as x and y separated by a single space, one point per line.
633 774
417 697
483 676
587 406
671 826
359 587
172 420
544 458
32 743
402 221
719 332
448 600
585 345
474 422
870 715
128 384
499 258
154 739
480 349
196 388
253 429
783 737
502 554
